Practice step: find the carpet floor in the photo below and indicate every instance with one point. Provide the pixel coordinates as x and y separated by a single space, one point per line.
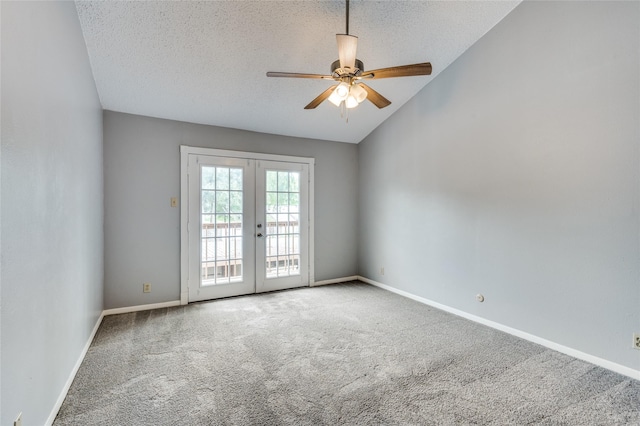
339 354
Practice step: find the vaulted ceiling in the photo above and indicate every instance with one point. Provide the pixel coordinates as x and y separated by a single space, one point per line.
205 62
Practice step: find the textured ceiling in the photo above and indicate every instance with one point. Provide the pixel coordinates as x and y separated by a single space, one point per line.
205 62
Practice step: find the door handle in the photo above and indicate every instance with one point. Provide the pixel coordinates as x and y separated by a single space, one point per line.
260 235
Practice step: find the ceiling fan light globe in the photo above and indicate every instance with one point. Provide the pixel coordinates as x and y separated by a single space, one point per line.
342 91
351 102
335 99
358 92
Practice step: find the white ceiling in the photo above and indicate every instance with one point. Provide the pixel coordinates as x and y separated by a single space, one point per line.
205 62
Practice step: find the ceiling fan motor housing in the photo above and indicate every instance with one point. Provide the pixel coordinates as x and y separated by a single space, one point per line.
338 72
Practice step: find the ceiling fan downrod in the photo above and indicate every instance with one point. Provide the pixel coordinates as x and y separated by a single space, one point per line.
347 32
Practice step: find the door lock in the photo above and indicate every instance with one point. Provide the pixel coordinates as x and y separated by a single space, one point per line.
259 225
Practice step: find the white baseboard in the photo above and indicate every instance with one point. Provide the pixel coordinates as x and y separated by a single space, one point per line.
334 281
74 371
76 367
128 309
609 365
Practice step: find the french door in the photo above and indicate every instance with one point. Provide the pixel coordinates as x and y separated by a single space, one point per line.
282 199
247 224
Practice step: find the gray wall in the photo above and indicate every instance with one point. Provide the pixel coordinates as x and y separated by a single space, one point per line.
515 174
52 209
142 173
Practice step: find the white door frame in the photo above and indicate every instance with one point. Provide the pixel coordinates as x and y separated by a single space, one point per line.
185 151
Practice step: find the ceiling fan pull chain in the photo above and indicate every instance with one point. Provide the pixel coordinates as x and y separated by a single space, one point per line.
344 111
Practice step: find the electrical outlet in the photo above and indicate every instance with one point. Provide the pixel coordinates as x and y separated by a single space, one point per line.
636 340
146 288
18 420
382 270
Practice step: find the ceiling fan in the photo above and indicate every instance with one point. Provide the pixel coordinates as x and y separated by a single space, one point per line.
349 74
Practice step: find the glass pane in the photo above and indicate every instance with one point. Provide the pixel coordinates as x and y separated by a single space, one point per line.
232 248
294 182
235 202
208 270
272 180
222 178
235 225
281 225
283 181
272 267
222 225
283 208
282 266
294 202
283 202
222 248
222 271
294 225
208 249
294 265
282 244
271 224
208 177
222 202
294 244
236 268
221 231
208 201
271 248
235 179
236 252
272 202
208 230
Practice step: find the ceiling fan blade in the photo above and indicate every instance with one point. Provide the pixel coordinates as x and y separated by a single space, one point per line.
347 46
401 71
297 75
324 95
376 98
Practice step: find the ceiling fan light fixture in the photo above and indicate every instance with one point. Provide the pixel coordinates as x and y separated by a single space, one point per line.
348 72
334 99
342 91
358 93
339 94
351 102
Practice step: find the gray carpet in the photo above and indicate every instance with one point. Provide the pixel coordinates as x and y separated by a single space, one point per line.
339 354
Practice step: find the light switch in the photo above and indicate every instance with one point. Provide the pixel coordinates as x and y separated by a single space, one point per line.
174 201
